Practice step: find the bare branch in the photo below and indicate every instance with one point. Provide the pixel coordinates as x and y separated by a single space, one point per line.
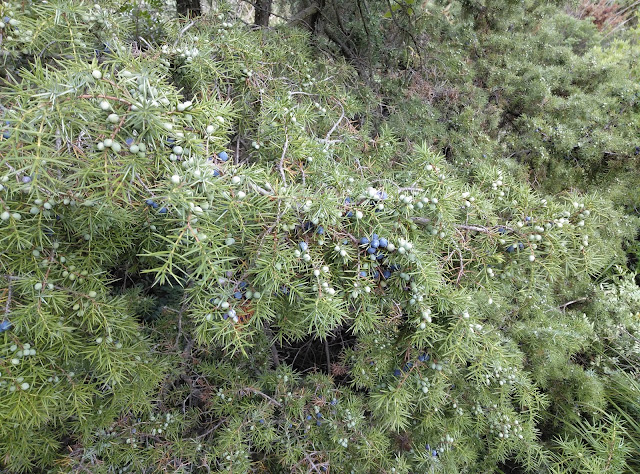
475 228
260 190
262 394
7 309
284 152
328 355
301 17
569 303
183 31
335 125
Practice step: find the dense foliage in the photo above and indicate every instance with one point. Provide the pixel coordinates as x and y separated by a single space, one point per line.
231 249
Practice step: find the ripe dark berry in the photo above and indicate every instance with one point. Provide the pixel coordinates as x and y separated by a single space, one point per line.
371 250
320 230
383 242
129 141
375 243
386 274
6 134
223 156
163 210
363 274
237 295
520 245
5 325
397 373
149 202
364 241
423 357
510 249
303 246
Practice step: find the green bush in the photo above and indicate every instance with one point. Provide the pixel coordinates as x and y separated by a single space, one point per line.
207 264
539 90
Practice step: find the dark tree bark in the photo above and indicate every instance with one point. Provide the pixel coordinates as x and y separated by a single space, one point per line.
188 8
315 16
305 18
263 12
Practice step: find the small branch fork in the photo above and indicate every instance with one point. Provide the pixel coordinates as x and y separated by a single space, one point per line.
263 395
260 190
7 308
314 465
266 328
284 152
459 228
327 354
182 32
105 96
569 303
335 125
475 228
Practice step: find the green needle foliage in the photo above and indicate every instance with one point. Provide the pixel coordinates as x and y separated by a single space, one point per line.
208 264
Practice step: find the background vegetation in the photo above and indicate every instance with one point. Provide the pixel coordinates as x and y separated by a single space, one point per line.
380 236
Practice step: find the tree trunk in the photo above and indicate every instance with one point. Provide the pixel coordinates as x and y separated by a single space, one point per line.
188 8
308 18
263 12
315 17
205 7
